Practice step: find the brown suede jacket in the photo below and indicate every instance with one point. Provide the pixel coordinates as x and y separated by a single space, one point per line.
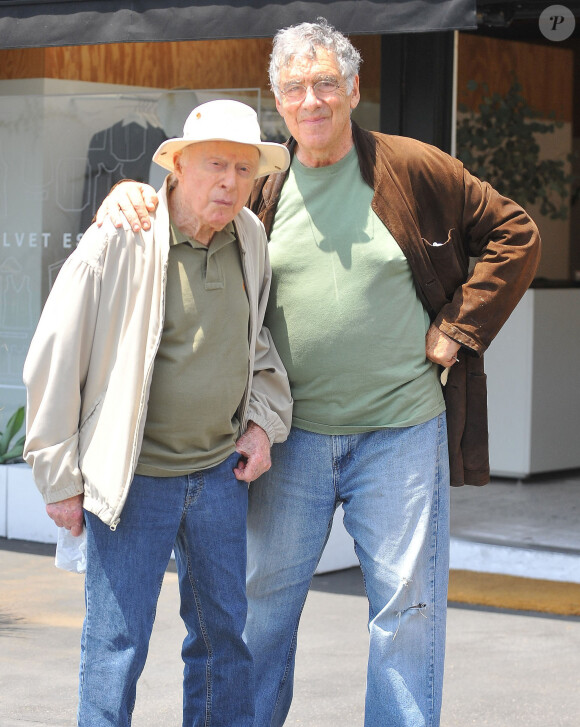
424 196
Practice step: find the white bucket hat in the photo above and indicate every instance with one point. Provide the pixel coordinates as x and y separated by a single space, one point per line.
225 120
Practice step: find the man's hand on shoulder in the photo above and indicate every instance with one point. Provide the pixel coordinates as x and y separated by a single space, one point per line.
254 446
134 200
68 514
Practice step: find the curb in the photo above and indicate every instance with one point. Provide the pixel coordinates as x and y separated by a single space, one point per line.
514 593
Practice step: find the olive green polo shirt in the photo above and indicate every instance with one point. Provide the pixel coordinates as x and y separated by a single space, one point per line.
201 368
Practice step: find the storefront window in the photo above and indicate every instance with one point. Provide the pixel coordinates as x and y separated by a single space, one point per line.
59 156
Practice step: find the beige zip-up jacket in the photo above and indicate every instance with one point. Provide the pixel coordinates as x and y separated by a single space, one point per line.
89 367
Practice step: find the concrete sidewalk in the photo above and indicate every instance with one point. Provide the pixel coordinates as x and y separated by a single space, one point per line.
503 669
527 528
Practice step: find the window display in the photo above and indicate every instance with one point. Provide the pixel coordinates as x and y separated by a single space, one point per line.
59 156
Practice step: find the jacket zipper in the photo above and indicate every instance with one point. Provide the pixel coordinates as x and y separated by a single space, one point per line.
117 520
244 403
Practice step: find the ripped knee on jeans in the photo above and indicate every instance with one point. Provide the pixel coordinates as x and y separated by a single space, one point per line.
419 608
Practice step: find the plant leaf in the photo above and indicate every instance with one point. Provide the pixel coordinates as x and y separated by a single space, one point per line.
12 428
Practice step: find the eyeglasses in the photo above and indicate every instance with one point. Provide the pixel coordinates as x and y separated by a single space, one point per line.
321 89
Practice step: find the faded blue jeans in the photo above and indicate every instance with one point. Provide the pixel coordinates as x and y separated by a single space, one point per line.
394 488
202 516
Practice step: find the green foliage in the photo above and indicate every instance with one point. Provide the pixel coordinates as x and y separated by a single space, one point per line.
500 143
12 451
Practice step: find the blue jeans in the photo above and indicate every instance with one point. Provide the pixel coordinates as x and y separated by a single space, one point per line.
202 516
394 488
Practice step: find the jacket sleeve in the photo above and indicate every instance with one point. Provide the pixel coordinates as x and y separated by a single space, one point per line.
270 404
505 243
54 374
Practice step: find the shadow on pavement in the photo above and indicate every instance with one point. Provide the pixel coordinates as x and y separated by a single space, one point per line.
347 582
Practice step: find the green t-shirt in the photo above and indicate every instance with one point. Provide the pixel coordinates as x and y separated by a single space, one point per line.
343 310
201 367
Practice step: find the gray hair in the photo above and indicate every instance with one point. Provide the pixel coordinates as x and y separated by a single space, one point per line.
303 40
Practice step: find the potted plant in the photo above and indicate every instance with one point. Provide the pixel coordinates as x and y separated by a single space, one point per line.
22 512
500 143
10 450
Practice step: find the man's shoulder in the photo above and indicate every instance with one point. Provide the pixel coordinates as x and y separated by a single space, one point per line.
97 243
93 244
247 221
409 148
410 157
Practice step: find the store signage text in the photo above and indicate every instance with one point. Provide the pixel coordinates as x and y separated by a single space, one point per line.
38 239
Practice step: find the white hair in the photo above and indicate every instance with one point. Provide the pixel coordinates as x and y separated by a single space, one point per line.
303 40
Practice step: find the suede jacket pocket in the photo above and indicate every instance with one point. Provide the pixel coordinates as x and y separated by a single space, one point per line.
445 259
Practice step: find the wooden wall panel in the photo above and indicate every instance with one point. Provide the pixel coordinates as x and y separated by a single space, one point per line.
207 64
544 71
22 63
110 63
202 64
241 63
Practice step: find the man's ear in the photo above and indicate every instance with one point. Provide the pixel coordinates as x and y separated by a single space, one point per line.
355 95
177 166
279 106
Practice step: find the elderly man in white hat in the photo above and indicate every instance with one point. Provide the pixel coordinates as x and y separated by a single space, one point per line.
154 395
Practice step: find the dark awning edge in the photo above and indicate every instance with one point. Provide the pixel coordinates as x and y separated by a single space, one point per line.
29 24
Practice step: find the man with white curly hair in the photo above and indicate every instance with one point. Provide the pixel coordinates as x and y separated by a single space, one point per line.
372 303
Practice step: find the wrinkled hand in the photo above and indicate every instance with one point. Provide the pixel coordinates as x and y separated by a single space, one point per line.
68 514
439 348
254 446
134 200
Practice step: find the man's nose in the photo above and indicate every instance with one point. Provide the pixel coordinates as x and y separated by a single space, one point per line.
228 179
310 99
